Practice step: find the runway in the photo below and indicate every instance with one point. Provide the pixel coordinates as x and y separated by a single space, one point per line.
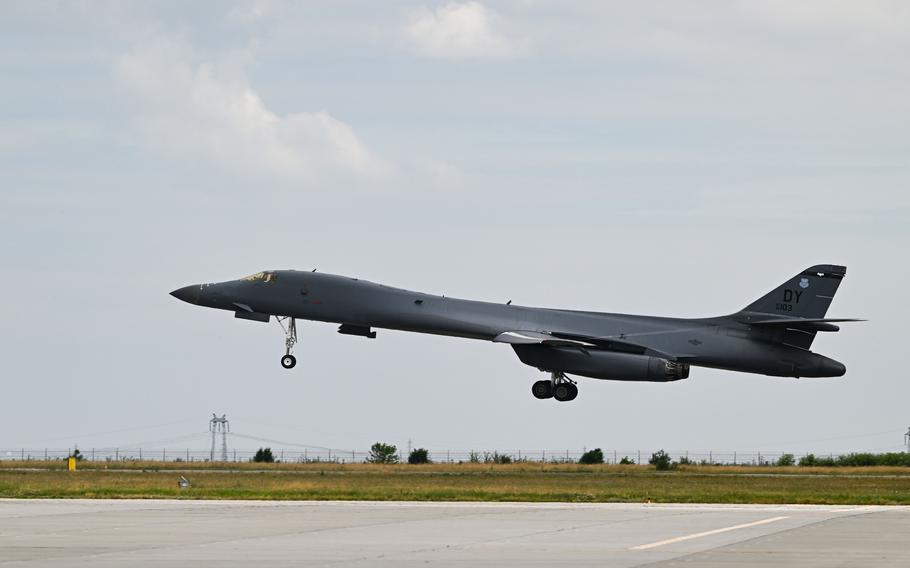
141 533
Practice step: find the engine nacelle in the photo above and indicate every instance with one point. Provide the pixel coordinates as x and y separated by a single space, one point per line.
608 365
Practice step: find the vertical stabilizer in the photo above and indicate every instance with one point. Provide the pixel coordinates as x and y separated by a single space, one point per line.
806 295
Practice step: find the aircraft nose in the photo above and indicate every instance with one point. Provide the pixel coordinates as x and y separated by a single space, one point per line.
188 294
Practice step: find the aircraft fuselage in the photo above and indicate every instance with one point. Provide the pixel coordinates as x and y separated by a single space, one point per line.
594 344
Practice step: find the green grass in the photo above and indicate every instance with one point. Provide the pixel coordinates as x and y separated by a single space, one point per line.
471 482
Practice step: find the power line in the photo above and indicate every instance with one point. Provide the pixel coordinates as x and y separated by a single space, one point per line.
118 431
833 438
154 442
280 443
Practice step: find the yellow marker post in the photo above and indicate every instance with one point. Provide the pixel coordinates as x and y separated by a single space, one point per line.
71 464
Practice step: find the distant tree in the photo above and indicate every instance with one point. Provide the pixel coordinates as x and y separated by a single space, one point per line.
592 456
829 461
857 460
497 458
264 455
77 454
626 460
685 461
661 460
890 458
786 460
419 455
383 453
808 460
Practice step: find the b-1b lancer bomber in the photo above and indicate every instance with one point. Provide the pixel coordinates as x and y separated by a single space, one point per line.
771 336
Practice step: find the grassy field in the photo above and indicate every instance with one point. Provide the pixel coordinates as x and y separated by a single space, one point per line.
461 482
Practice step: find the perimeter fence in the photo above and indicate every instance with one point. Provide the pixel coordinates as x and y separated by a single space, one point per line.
340 456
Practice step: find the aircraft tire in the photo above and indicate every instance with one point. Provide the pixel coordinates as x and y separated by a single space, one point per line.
542 389
565 392
288 361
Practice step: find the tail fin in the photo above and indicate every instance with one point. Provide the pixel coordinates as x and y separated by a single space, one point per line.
806 295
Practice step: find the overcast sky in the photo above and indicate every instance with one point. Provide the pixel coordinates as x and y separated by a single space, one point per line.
664 158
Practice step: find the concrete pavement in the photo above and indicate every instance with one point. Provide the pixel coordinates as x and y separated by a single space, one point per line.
143 533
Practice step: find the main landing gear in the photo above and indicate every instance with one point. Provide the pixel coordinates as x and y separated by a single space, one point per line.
290 332
559 386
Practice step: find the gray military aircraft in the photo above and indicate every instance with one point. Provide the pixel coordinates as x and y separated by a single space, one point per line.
770 336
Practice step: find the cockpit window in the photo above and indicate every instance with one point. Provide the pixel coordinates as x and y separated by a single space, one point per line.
267 277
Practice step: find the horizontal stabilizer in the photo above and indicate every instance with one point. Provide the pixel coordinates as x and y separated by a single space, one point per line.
805 324
806 320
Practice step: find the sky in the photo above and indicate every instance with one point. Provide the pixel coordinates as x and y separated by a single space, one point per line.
664 158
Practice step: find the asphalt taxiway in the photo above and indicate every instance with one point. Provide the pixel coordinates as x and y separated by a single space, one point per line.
140 533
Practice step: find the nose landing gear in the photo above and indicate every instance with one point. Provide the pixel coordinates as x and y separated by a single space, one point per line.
559 386
290 332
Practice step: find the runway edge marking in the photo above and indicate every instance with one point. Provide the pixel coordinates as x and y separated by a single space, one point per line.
706 533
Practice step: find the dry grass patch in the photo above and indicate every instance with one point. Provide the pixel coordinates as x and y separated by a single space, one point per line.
473 482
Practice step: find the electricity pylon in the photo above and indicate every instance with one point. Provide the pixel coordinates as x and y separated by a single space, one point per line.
219 426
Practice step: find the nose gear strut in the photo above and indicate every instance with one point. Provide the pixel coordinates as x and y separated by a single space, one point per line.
290 332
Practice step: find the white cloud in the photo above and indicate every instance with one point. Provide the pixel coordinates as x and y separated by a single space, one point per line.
251 11
845 17
203 110
21 135
459 31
